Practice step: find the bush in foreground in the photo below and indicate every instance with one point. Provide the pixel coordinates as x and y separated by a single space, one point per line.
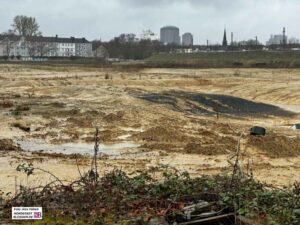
135 199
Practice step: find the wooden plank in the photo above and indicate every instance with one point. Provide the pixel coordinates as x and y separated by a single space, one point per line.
208 219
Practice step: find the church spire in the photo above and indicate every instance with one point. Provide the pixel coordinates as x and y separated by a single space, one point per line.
225 38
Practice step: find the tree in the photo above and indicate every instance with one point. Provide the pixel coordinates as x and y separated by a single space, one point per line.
40 48
26 26
8 42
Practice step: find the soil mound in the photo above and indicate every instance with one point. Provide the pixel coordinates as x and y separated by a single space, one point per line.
198 148
113 117
203 142
275 145
8 145
161 134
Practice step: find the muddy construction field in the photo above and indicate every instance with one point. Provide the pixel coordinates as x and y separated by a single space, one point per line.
183 118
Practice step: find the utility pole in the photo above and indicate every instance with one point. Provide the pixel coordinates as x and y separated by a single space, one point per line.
232 38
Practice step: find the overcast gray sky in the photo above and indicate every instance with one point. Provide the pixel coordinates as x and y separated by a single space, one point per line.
206 19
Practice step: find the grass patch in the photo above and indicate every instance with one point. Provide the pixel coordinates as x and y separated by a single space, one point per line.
251 59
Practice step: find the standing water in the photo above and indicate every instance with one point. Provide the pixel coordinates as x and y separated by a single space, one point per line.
73 148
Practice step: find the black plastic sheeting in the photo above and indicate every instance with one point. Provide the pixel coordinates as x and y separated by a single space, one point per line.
201 103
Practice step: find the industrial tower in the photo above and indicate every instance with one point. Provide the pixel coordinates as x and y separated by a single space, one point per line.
225 38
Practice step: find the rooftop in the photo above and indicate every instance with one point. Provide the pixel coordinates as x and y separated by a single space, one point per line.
44 39
170 27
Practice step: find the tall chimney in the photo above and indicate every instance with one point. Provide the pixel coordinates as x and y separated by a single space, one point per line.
284 38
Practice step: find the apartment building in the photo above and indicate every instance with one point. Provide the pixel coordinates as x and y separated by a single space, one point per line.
13 45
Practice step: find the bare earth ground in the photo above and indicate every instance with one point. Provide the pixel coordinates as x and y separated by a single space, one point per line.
184 118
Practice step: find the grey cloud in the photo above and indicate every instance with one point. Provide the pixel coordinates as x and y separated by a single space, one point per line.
219 4
204 18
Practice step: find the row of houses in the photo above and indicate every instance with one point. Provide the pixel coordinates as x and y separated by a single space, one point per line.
38 46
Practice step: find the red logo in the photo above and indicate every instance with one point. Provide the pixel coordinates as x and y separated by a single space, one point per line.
37 215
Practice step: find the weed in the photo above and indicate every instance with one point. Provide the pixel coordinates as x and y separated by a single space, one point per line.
143 196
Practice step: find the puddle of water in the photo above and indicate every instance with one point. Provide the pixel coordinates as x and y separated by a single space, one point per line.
73 148
132 129
124 137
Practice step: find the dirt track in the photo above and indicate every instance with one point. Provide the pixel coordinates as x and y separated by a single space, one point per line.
189 119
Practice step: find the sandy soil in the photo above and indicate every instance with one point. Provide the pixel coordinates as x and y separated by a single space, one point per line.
187 119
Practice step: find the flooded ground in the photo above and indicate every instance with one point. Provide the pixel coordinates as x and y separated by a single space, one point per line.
73 148
187 119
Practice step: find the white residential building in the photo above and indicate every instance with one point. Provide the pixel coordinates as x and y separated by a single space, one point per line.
13 45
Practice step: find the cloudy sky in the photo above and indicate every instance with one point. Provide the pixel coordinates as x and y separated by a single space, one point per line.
206 19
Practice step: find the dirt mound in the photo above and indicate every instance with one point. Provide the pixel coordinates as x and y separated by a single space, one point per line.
201 103
82 122
275 145
203 141
6 104
211 145
161 134
198 148
8 145
113 117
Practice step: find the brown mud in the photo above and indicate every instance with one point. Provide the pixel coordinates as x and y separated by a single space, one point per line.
189 119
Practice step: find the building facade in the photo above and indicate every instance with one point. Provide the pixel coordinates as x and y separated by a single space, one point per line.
101 53
170 35
37 46
278 39
187 39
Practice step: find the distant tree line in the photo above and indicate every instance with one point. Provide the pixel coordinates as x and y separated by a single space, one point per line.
126 46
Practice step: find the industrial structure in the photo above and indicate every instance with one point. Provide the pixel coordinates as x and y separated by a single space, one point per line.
187 39
15 45
279 39
170 35
224 43
149 35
